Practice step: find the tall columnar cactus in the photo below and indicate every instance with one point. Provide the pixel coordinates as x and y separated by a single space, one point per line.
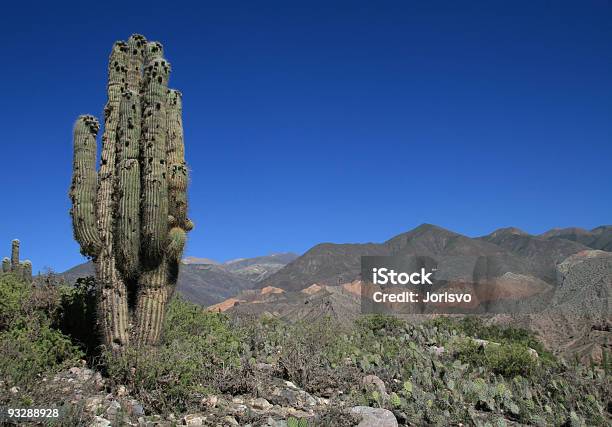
23 269
131 217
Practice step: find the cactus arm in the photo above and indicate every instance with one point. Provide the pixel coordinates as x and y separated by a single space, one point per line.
15 255
84 185
177 168
154 207
127 226
113 317
136 50
26 271
6 265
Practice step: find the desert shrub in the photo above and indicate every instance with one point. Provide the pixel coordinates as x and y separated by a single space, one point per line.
76 315
476 327
310 354
505 359
29 345
336 416
27 352
14 295
196 349
380 323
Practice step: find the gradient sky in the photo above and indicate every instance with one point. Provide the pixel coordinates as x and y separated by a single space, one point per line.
316 121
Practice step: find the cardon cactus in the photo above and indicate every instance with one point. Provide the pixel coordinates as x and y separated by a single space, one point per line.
131 216
23 269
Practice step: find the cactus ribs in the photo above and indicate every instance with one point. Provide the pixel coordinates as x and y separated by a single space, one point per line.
131 215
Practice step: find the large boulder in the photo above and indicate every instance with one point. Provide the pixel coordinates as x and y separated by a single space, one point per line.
374 417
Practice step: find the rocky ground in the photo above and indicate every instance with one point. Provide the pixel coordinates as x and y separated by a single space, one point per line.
89 400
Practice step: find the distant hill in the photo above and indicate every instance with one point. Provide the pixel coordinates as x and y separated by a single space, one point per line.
208 282
597 238
512 250
541 252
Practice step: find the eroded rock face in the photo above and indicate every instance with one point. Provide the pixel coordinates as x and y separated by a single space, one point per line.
585 284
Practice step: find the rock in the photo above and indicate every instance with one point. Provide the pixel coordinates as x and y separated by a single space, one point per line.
271 422
373 382
322 401
261 403
14 390
194 420
100 422
374 417
438 351
121 391
210 401
238 409
93 403
230 421
134 408
267 367
401 417
99 381
285 393
113 409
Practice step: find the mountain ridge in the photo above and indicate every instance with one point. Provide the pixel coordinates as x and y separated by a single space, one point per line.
514 249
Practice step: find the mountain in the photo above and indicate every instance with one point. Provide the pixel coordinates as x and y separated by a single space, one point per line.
259 268
544 253
208 282
331 264
597 238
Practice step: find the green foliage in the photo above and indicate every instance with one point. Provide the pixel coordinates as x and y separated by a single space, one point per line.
297 422
29 346
475 327
77 314
14 295
433 371
380 323
198 347
508 360
29 351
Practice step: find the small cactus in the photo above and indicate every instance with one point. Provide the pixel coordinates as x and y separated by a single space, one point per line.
297 422
23 269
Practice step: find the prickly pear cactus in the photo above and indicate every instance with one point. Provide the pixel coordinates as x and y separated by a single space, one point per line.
23 269
131 215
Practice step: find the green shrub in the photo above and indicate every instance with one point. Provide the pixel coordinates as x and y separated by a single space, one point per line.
14 296
381 323
505 359
29 346
198 347
27 352
76 316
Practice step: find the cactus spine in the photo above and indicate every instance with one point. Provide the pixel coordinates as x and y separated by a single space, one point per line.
131 217
22 269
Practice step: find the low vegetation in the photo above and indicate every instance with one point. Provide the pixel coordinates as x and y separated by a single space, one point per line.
30 342
440 372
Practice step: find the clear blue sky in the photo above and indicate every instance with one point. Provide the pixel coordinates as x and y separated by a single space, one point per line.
322 121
